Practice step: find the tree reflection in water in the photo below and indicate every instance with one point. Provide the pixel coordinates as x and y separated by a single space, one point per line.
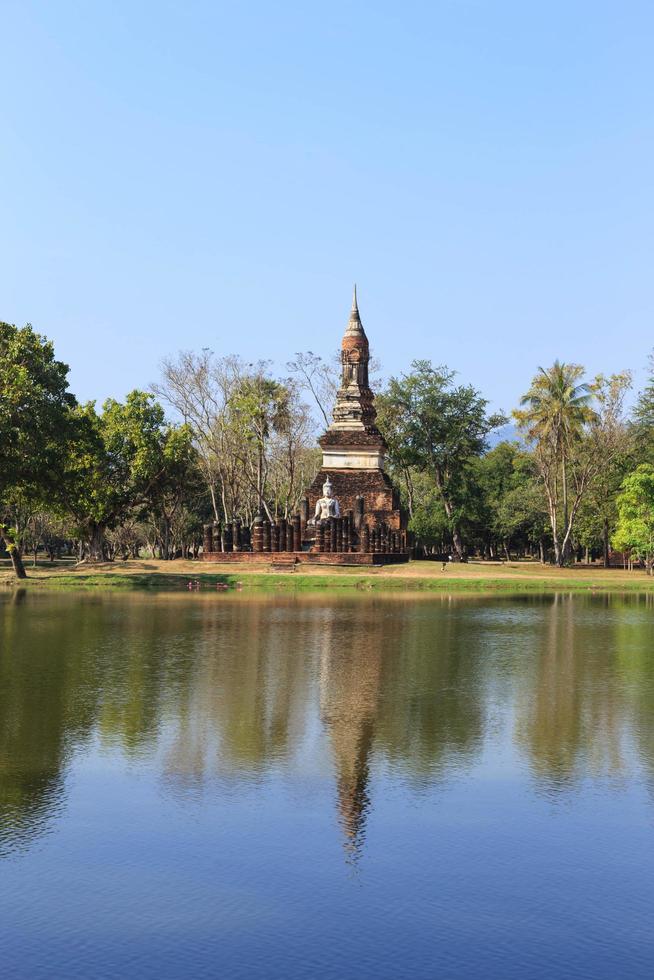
240 688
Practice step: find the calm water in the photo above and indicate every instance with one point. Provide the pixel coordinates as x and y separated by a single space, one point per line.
214 786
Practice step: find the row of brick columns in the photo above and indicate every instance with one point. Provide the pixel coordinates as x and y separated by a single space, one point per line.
335 535
384 540
283 535
232 536
338 535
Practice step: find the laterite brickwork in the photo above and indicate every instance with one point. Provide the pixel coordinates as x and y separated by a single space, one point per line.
302 558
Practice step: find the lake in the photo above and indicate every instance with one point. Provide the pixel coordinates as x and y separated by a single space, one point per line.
351 786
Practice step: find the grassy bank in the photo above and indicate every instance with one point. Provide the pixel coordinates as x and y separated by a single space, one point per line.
517 577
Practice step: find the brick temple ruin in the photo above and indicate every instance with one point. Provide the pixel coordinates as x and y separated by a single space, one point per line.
351 513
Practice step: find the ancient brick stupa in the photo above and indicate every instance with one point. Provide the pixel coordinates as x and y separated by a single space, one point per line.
353 448
351 514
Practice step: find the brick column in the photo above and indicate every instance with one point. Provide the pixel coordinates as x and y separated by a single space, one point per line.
297 533
257 534
207 539
304 514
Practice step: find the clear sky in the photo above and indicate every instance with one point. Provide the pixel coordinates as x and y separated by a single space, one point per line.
207 174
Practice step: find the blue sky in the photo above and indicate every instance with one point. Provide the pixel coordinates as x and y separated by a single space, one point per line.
187 175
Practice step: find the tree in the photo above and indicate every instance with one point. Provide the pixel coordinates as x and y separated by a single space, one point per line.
597 514
259 408
571 440
439 428
428 521
177 490
293 456
511 507
318 378
116 461
635 528
252 433
34 410
199 388
643 420
557 409
44 529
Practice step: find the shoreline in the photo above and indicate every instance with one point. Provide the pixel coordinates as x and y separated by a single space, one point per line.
418 576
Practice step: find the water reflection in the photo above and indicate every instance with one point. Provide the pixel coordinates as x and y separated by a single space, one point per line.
574 710
350 683
211 688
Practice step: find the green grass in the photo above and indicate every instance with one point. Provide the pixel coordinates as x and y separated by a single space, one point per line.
297 582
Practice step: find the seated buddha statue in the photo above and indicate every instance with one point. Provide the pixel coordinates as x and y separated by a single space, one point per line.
327 505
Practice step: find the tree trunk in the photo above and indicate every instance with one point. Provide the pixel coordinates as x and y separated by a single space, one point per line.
14 552
409 490
558 554
605 543
260 482
96 542
457 542
566 542
552 510
166 552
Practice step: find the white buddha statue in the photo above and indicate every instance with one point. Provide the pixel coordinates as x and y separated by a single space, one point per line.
327 505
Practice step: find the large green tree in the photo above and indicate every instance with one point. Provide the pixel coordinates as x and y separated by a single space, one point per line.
574 428
556 408
118 460
177 499
635 527
35 406
643 418
597 516
436 427
511 511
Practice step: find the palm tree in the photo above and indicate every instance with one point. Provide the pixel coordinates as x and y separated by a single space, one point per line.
557 407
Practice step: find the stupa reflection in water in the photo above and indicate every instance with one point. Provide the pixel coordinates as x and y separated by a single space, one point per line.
350 680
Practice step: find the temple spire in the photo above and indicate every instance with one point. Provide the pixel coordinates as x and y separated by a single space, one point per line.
354 326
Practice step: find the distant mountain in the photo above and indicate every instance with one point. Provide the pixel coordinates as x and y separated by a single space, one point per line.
507 433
